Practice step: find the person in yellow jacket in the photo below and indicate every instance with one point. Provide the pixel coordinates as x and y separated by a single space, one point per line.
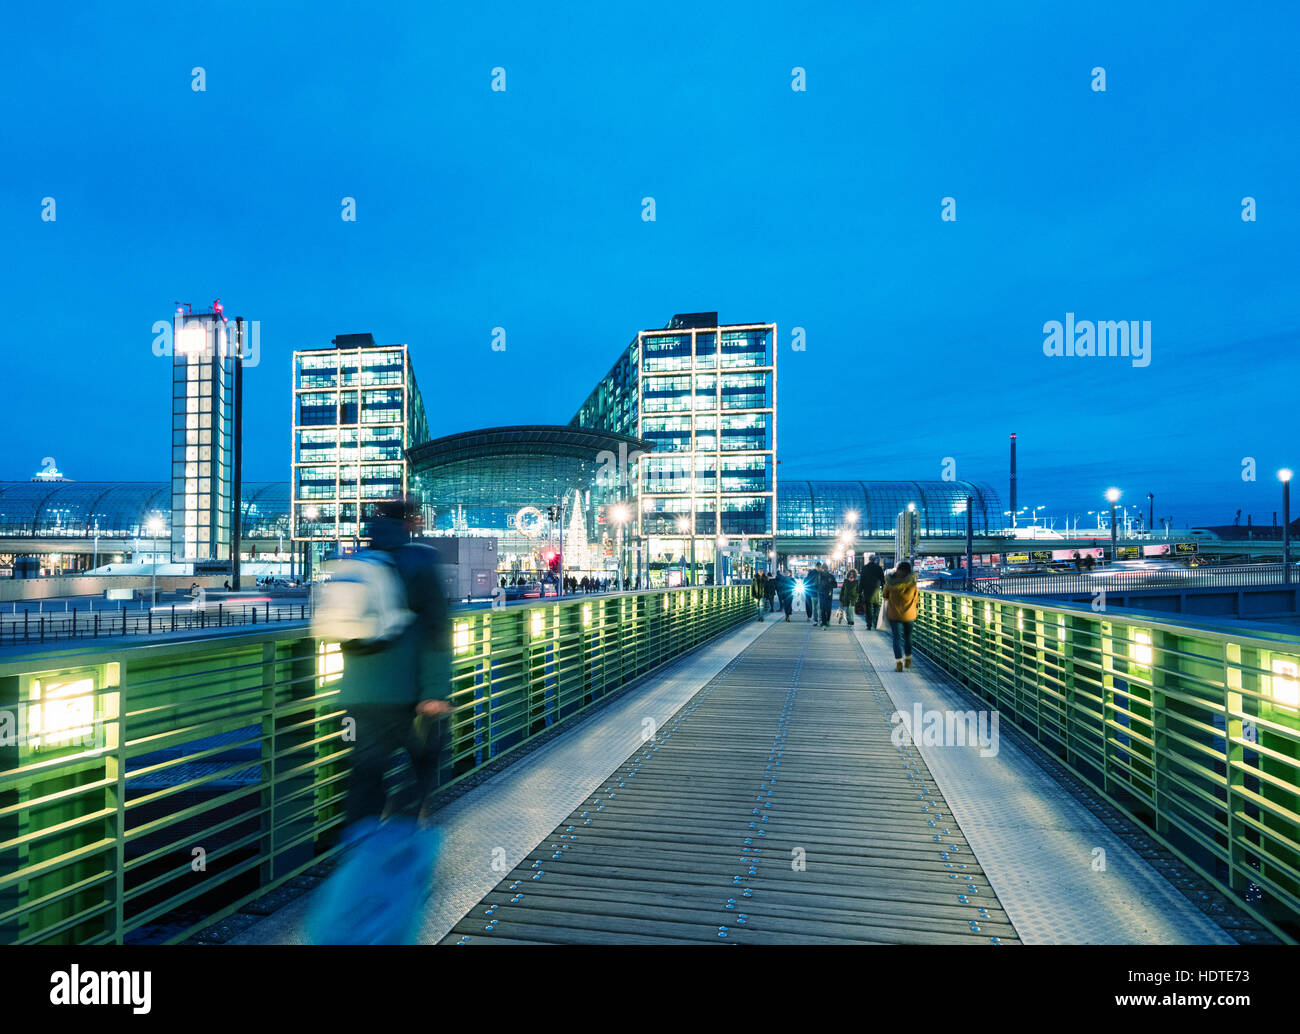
900 595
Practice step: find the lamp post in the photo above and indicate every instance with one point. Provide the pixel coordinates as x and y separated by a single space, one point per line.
155 527
684 526
619 515
1284 475
1151 511
1112 496
720 555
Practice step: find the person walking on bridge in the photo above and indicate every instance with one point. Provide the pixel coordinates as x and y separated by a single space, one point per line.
848 596
870 590
758 590
825 594
901 593
785 590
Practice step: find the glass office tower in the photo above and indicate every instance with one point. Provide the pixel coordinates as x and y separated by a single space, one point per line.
204 352
705 394
356 410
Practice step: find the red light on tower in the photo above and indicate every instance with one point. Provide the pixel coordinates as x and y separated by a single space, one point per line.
216 307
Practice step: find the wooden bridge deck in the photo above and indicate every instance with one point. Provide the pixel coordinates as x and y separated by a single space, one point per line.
773 808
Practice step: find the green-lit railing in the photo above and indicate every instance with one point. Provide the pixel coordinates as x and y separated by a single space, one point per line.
150 790
1194 732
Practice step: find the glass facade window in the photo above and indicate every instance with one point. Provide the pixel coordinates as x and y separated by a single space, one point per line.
317 409
745 432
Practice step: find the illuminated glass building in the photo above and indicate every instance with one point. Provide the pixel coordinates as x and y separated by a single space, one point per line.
204 381
356 410
535 489
812 513
704 394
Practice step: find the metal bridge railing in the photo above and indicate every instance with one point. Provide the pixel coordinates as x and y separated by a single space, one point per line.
1237 576
150 789
1193 732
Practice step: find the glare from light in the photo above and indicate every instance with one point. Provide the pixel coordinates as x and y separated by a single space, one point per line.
1286 685
620 513
155 526
1284 474
1112 494
64 712
851 516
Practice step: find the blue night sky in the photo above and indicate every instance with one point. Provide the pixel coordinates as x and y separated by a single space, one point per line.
816 209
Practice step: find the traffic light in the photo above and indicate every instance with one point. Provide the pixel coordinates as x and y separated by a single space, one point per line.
552 559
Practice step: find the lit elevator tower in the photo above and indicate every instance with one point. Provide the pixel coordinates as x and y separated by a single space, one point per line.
205 476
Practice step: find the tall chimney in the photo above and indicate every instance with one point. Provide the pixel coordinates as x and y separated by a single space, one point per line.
1013 481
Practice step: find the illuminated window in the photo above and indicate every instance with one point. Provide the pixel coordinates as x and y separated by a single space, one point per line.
329 663
1142 648
62 711
1286 684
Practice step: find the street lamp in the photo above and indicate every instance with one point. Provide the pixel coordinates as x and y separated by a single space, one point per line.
155 528
619 514
684 526
1112 496
1284 475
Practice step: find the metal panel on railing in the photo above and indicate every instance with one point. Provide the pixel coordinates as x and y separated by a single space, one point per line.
1192 730
149 789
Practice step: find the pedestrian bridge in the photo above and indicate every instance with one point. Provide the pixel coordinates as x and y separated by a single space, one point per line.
681 773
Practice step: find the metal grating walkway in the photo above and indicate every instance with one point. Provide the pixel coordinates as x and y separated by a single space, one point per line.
773 808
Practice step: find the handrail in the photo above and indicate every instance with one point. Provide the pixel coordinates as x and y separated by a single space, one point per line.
149 789
1190 729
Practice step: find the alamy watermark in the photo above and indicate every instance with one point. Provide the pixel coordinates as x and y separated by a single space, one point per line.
946 729
1102 338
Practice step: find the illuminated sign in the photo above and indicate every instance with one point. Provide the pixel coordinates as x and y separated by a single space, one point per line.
1041 556
1186 547
1017 558
1128 552
528 521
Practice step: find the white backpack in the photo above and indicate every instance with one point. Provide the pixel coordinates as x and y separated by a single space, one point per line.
362 602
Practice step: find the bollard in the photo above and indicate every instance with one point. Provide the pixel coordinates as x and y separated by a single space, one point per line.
95 633
220 619
173 617
268 612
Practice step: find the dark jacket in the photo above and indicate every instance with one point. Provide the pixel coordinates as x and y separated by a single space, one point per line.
417 665
873 578
784 587
827 587
849 591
